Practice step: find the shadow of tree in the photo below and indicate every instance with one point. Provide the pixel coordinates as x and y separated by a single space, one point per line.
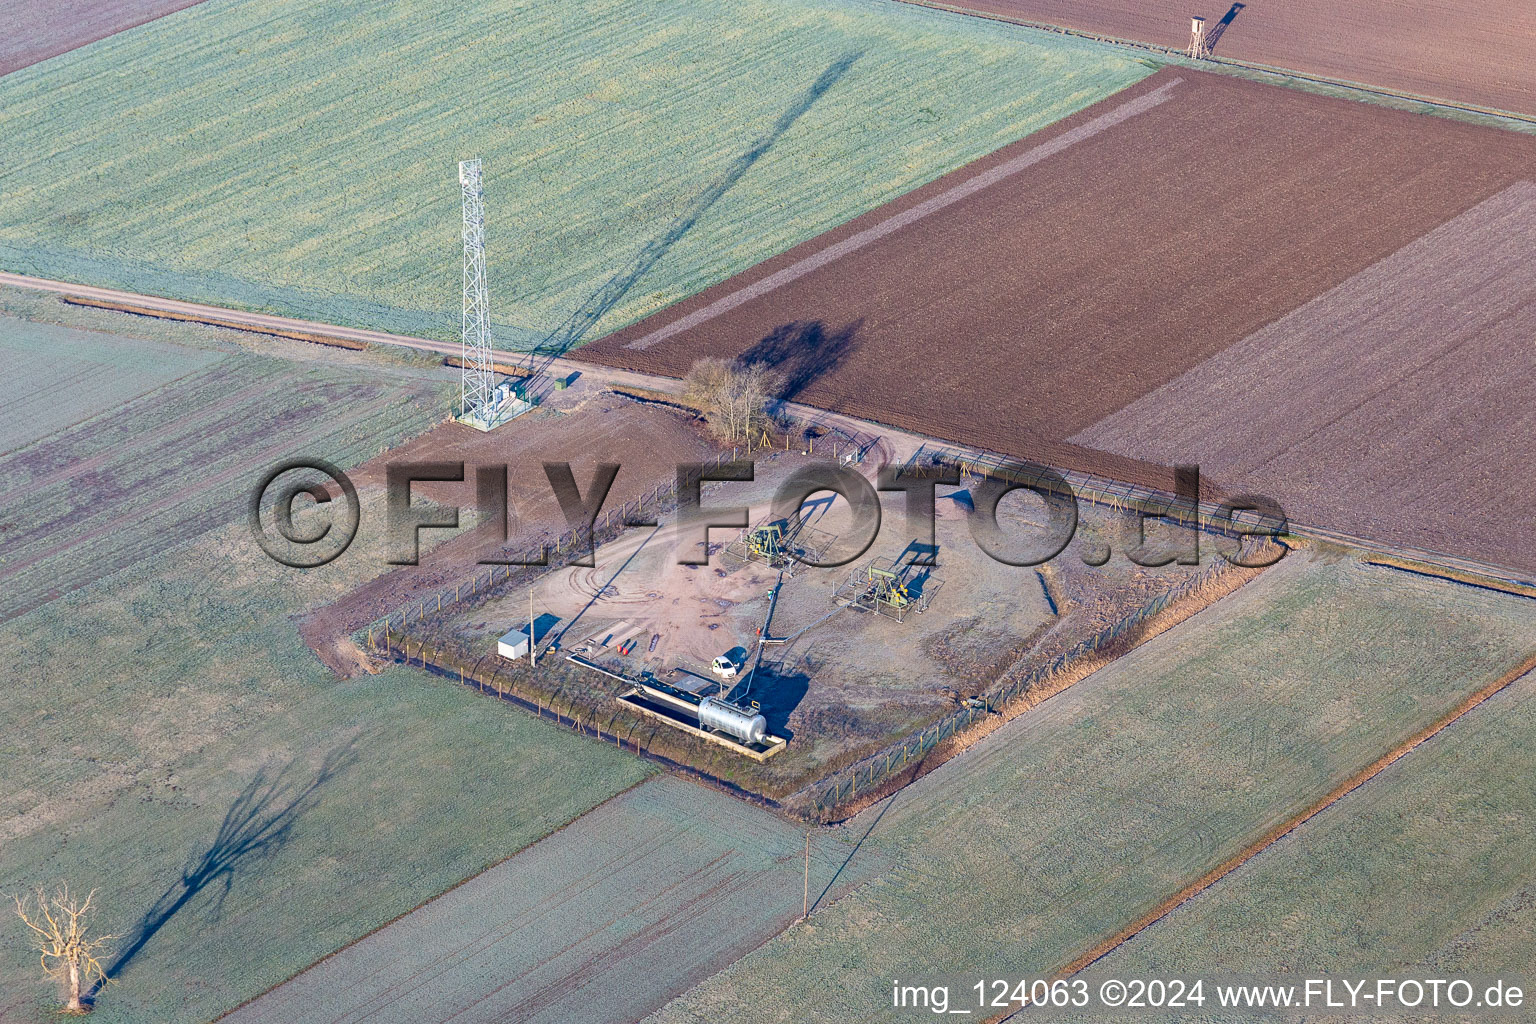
803 352
255 827
570 333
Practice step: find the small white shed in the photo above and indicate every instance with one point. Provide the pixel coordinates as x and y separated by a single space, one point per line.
514 645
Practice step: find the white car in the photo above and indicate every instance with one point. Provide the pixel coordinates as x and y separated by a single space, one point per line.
725 667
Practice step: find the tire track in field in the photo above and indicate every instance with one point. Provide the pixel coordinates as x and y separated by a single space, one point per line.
1274 835
672 884
477 944
132 447
171 501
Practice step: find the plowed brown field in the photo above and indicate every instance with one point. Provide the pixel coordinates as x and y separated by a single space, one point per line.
1396 406
1467 53
32 32
1027 296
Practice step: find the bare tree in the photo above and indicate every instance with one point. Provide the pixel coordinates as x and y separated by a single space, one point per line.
706 385
68 952
756 384
733 395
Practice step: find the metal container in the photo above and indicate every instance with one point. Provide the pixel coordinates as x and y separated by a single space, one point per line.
722 715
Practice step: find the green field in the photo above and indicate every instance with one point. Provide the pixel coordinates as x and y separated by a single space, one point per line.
1425 872
300 158
603 921
56 375
1074 820
169 740
153 701
124 479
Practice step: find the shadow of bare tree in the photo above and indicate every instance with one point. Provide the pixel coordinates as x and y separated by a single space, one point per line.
257 825
570 334
803 352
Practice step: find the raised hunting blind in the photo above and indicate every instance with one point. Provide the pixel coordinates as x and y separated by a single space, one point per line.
1199 42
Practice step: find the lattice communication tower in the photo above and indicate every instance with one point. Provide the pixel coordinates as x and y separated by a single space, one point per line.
475 381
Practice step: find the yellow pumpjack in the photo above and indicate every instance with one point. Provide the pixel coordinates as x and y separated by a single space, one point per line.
886 588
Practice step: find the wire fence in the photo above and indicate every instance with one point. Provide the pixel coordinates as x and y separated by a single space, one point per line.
531 560
1207 516
568 546
493 674
391 637
875 770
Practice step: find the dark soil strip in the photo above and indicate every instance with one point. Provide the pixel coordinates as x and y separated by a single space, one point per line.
163 314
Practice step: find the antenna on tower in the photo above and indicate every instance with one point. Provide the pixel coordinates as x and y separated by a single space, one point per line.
475 380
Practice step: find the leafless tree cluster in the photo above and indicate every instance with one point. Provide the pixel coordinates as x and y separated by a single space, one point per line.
733 395
69 953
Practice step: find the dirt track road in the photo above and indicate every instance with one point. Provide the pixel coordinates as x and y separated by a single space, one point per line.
888 445
197 311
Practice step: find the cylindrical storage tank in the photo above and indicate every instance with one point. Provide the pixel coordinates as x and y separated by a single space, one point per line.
715 713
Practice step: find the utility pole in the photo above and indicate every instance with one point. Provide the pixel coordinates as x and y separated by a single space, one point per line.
806 911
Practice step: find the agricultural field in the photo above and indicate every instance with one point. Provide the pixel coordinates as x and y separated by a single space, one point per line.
1385 407
123 479
32 32
319 795
1428 872
169 707
1163 227
1466 53
308 152
62 375
604 921
1073 821
845 682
